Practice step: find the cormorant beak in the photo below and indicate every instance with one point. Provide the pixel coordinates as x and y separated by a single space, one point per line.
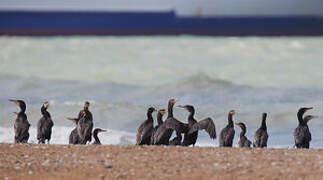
14 101
309 108
72 119
313 117
46 105
103 130
163 111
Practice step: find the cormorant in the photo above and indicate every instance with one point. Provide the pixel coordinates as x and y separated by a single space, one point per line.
227 133
74 138
160 121
261 135
165 130
95 136
302 134
145 129
191 135
21 125
243 141
85 124
44 125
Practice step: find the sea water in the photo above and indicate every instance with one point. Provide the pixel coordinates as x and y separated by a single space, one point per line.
123 76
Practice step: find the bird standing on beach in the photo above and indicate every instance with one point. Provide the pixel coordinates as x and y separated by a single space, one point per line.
44 125
85 124
261 135
302 134
160 121
145 129
243 141
95 135
191 134
21 125
227 133
165 130
74 138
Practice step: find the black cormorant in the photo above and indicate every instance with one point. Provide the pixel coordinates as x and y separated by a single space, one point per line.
85 124
95 136
165 130
227 133
21 125
44 125
302 134
145 129
74 138
243 141
160 121
261 135
191 135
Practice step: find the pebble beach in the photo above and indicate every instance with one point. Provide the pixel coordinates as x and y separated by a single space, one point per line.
32 161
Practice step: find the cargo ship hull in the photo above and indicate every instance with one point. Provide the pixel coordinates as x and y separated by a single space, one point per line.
153 23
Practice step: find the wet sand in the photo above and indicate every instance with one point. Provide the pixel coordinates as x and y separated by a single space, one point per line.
32 161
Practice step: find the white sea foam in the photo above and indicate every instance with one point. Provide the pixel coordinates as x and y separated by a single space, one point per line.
122 76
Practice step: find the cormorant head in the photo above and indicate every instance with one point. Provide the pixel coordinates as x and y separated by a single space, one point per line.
264 116
304 109
100 130
151 110
189 108
46 105
232 112
86 105
241 125
172 101
20 103
162 111
309 117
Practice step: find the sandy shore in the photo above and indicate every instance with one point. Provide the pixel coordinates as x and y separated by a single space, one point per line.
31 161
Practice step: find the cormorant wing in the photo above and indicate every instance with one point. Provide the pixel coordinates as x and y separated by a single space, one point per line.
144 131
21 126
206 124
176 125
84 128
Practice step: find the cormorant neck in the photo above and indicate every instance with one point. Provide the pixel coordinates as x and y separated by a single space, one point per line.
243 131
191 116
22 109
263 124
45 112
230 121
170 110
96 138
300 117
159 118
149 116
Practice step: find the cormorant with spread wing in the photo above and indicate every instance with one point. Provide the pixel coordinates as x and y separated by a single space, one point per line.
191 135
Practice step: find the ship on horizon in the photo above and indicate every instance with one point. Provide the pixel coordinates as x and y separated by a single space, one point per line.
151 17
